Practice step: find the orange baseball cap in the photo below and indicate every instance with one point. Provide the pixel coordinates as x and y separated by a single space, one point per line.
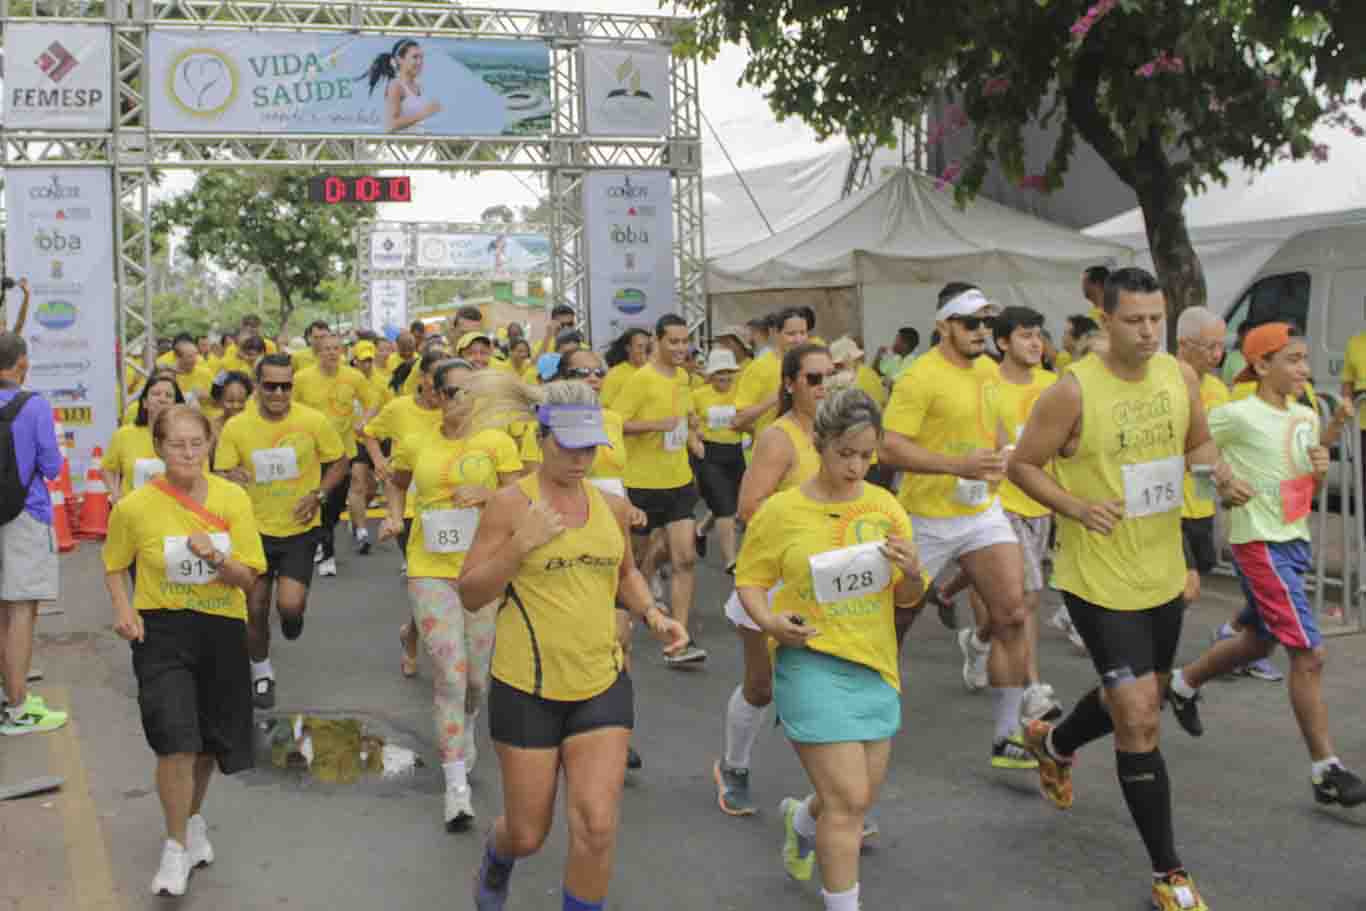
1260 342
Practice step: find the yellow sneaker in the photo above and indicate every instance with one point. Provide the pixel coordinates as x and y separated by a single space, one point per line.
799 852
1055 777
1176 892
1010 753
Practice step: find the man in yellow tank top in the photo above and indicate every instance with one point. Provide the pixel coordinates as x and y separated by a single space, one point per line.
941 430
1120 429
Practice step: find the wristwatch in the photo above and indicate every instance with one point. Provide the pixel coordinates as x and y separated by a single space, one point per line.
217 561
321 495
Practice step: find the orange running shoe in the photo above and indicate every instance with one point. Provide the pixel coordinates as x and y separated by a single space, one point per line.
1055 775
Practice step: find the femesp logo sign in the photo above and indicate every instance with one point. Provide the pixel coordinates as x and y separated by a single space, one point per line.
59 77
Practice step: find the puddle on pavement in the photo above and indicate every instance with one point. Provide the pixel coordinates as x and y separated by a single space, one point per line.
338 750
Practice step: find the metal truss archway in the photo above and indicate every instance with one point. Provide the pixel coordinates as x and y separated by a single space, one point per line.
132 150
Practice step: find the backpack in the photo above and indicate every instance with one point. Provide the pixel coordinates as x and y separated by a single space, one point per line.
13 490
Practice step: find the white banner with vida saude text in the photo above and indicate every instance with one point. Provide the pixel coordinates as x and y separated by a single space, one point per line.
60 238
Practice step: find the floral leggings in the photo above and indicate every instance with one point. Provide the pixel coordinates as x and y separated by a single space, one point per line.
460 644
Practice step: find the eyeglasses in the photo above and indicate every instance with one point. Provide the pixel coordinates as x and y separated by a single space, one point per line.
450 392
817 379
583 373
277 387
970 323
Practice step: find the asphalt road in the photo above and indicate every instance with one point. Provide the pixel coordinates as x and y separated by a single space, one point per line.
956 834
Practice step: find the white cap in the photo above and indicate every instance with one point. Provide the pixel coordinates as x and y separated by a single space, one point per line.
720 359
844 350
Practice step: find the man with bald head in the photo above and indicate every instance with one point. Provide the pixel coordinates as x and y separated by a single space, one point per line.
1200 344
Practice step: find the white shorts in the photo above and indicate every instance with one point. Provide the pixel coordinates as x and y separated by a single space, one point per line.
736 613
1033 537
942 540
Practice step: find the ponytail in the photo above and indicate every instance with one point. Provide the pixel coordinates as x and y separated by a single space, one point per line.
502 399
383 67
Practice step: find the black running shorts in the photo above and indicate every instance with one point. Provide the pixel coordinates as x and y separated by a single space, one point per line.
1127 645
291 557
663 508
194 686
719 474
1197 541
529 722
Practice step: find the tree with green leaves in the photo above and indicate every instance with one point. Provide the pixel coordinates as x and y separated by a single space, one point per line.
1168 92
238 219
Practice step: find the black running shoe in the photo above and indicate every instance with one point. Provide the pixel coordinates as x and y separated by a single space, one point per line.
633 760
263 693
1187 711
1341 787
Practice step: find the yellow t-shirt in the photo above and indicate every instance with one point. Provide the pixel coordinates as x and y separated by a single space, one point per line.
615 381
379 383
868 380
304 359
232 362
656 461
284 459
791 528
1015 403
1213 393
607 464
760 381
139 528
133 456
402 418
231 350
197 387
439 465
557 627
1139 565
716 412
166 359
344 398
1061 362
808 459
949 410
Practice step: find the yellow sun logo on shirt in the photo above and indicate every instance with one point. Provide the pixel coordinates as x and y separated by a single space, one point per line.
860 525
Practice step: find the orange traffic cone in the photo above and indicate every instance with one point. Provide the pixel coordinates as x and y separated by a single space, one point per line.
60 523
94 521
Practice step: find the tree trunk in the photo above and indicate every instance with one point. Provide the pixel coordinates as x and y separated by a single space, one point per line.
1169 243
286 303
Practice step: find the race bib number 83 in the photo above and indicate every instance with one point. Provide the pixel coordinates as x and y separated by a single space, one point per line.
449 531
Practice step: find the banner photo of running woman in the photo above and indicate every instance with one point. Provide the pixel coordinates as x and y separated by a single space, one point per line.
291 82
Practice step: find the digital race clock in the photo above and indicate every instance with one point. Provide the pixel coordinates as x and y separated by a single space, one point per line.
333 189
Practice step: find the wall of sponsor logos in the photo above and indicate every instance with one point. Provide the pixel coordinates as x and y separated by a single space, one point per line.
629 218
59 237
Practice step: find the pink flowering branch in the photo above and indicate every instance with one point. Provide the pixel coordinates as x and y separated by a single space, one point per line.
950 176
1162 63
1082 26
1033 182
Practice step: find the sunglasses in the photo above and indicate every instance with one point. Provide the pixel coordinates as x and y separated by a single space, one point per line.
450 392
817 379
971 323
583 373
277 387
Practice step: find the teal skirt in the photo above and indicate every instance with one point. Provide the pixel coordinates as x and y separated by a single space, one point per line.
824 699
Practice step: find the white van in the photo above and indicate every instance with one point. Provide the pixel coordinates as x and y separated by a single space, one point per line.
1316 281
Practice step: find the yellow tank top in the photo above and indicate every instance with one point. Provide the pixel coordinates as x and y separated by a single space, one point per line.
557 632
1126 425
808 460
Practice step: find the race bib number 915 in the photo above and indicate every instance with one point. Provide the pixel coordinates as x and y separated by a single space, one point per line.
183 567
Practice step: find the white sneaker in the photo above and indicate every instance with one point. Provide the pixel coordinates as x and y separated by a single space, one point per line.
974 660
1039 704
1077 641
328 567
173 876
459 809
318 554
197 842
403 569
1061 619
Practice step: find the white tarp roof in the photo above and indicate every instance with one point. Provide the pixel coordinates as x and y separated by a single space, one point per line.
1238 227
904 230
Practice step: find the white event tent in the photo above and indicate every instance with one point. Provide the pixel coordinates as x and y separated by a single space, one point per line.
1238 227
874 262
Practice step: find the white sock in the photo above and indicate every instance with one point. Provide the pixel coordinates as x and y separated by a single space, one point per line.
1005 708
1179 684
841 901
743 724
803 821
1319 766
1226 630
455 774
261 669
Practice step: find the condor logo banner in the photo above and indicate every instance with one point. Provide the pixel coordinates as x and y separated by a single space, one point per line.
57 77
69 264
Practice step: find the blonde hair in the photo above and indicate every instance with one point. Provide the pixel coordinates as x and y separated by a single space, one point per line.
161 427
501 399
845 410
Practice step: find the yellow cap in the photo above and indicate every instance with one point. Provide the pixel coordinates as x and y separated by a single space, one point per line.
364 350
